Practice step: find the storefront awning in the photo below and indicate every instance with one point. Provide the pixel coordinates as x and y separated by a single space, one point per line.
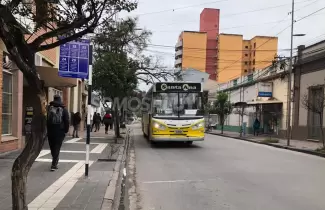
51 77
264 102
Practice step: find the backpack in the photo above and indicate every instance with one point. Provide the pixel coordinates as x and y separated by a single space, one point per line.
55 115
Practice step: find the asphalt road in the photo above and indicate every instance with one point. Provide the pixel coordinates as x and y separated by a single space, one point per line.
224 173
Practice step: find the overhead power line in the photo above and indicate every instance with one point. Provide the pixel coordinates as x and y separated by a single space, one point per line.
313 13
203 49
234 14
180 8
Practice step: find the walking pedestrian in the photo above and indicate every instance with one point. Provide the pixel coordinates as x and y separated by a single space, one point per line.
94 122
76 124
98 121
256 127
108 121
57 127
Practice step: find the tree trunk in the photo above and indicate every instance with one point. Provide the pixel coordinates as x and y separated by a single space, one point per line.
322 129
222 122
25 160
117 123
222 128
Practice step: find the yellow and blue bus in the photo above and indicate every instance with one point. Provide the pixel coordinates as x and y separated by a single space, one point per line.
172 111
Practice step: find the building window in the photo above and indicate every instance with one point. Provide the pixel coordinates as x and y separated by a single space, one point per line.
254 69
250 77
7 103
246 63
246 55
245 70
254 53
246 47
254 62
250 62
235 82
254 45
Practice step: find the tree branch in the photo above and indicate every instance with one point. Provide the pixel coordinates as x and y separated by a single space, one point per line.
57 32
65 40
13 4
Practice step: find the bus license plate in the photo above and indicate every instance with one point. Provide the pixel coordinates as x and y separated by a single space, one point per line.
178 131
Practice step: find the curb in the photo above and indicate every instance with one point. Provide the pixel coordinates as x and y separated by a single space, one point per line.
114 187
309 152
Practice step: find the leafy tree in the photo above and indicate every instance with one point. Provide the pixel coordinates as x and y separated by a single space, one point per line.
119 62
222 107
114 77
49 24
125 37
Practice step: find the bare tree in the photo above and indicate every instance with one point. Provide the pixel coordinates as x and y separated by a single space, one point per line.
315 103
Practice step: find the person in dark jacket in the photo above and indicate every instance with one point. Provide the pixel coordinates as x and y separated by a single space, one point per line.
57 127
76 124
94 121
98 121
108 121
256 127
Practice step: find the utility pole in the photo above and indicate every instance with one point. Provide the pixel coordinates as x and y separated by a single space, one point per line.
289 78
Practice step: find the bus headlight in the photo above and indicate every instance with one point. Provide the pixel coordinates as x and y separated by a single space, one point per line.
198 126
159 126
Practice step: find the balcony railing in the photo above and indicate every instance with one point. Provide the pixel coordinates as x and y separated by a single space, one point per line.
178 61
179 52
179 44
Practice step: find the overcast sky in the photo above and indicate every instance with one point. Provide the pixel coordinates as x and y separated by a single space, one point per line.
167 18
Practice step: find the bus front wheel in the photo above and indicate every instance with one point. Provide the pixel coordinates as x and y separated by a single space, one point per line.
189 142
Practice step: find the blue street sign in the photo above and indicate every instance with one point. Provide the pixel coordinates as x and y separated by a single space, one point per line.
264 94
74 59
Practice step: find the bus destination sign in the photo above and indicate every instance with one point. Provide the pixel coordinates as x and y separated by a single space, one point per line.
178 87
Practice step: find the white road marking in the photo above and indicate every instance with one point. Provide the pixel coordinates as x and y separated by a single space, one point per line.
74 140
43 153
180 180
64 151
60 161
99 149
53 195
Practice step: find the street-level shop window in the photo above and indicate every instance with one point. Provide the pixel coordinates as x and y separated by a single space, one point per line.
7 103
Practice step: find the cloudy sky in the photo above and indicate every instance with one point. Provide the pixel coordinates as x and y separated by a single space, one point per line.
167 18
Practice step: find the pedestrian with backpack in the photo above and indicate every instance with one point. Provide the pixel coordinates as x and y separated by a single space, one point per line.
57 127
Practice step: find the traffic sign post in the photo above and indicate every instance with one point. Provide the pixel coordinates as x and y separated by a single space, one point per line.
76 62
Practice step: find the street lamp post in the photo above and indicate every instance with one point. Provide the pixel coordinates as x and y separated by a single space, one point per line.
289 75
289 78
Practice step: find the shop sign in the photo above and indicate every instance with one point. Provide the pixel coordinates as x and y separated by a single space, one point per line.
264 89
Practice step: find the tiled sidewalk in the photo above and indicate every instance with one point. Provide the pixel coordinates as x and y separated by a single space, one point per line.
307 145
66 188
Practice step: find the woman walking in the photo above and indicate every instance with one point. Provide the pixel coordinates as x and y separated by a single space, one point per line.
108 121
98 120
76 124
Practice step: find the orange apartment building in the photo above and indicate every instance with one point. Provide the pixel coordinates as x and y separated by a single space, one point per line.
198 49
191 51
16 96
237 56
222 56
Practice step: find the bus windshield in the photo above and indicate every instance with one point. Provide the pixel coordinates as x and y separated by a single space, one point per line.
177 104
